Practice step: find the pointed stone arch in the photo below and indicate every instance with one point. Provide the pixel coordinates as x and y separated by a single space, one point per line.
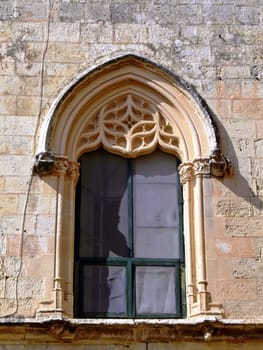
130 106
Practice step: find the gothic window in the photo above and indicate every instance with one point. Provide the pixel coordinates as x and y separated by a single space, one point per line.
129 256
144 118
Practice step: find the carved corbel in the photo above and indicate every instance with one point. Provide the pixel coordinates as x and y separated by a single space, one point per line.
219 164
44 164
47 163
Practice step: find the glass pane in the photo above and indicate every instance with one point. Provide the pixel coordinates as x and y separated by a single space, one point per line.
104 290
155 290
156 206
104 205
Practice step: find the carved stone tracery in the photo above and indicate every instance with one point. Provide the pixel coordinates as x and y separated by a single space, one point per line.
128 125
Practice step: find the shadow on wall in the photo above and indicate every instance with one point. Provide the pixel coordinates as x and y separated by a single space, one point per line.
237 183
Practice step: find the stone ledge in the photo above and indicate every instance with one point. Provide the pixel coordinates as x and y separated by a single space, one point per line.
119 331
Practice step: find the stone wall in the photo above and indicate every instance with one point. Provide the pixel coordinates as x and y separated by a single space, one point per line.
215 46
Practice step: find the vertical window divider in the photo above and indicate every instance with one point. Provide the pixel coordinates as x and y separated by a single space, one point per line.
130 291
130 209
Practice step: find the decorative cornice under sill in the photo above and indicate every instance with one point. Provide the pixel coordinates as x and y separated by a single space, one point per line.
80 331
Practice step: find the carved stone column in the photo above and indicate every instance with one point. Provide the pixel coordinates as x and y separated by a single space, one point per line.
48 164
186 177
201 169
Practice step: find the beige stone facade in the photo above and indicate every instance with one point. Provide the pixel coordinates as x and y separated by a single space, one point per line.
192 70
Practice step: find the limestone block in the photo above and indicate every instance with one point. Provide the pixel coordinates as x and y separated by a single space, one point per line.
15 164
218 14
99 10
34 52
30 288
249 108
34 245
221 106
190 14
97 33
32 86
11 266
246 268
259 187
226 89
64 32
71 52
61 69
27 31
43 262
236 289
229 54
11 85
2 244
233 208
13 244
37 10
8 105
130 33
7 65
244 147
6 11
46 224
247 15
8 204
235 247
259 147
13 224
252 88
257 168
15 184
240 310
29 69
241 128
17 145
28 105
160 35
251 227
52 86
219 268
71 11
5 31
19 125
237 72
48 187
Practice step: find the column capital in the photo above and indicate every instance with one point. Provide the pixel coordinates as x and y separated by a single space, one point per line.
186 172
201 167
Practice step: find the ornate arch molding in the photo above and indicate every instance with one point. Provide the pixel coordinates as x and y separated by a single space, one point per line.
130 106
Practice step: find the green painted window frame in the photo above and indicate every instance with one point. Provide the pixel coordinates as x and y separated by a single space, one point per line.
130 263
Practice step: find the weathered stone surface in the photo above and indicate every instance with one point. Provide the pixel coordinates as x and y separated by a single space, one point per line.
214 46
234 208
243 227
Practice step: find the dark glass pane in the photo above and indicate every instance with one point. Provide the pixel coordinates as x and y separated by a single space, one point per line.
104 290
155 290
156 208
104 205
